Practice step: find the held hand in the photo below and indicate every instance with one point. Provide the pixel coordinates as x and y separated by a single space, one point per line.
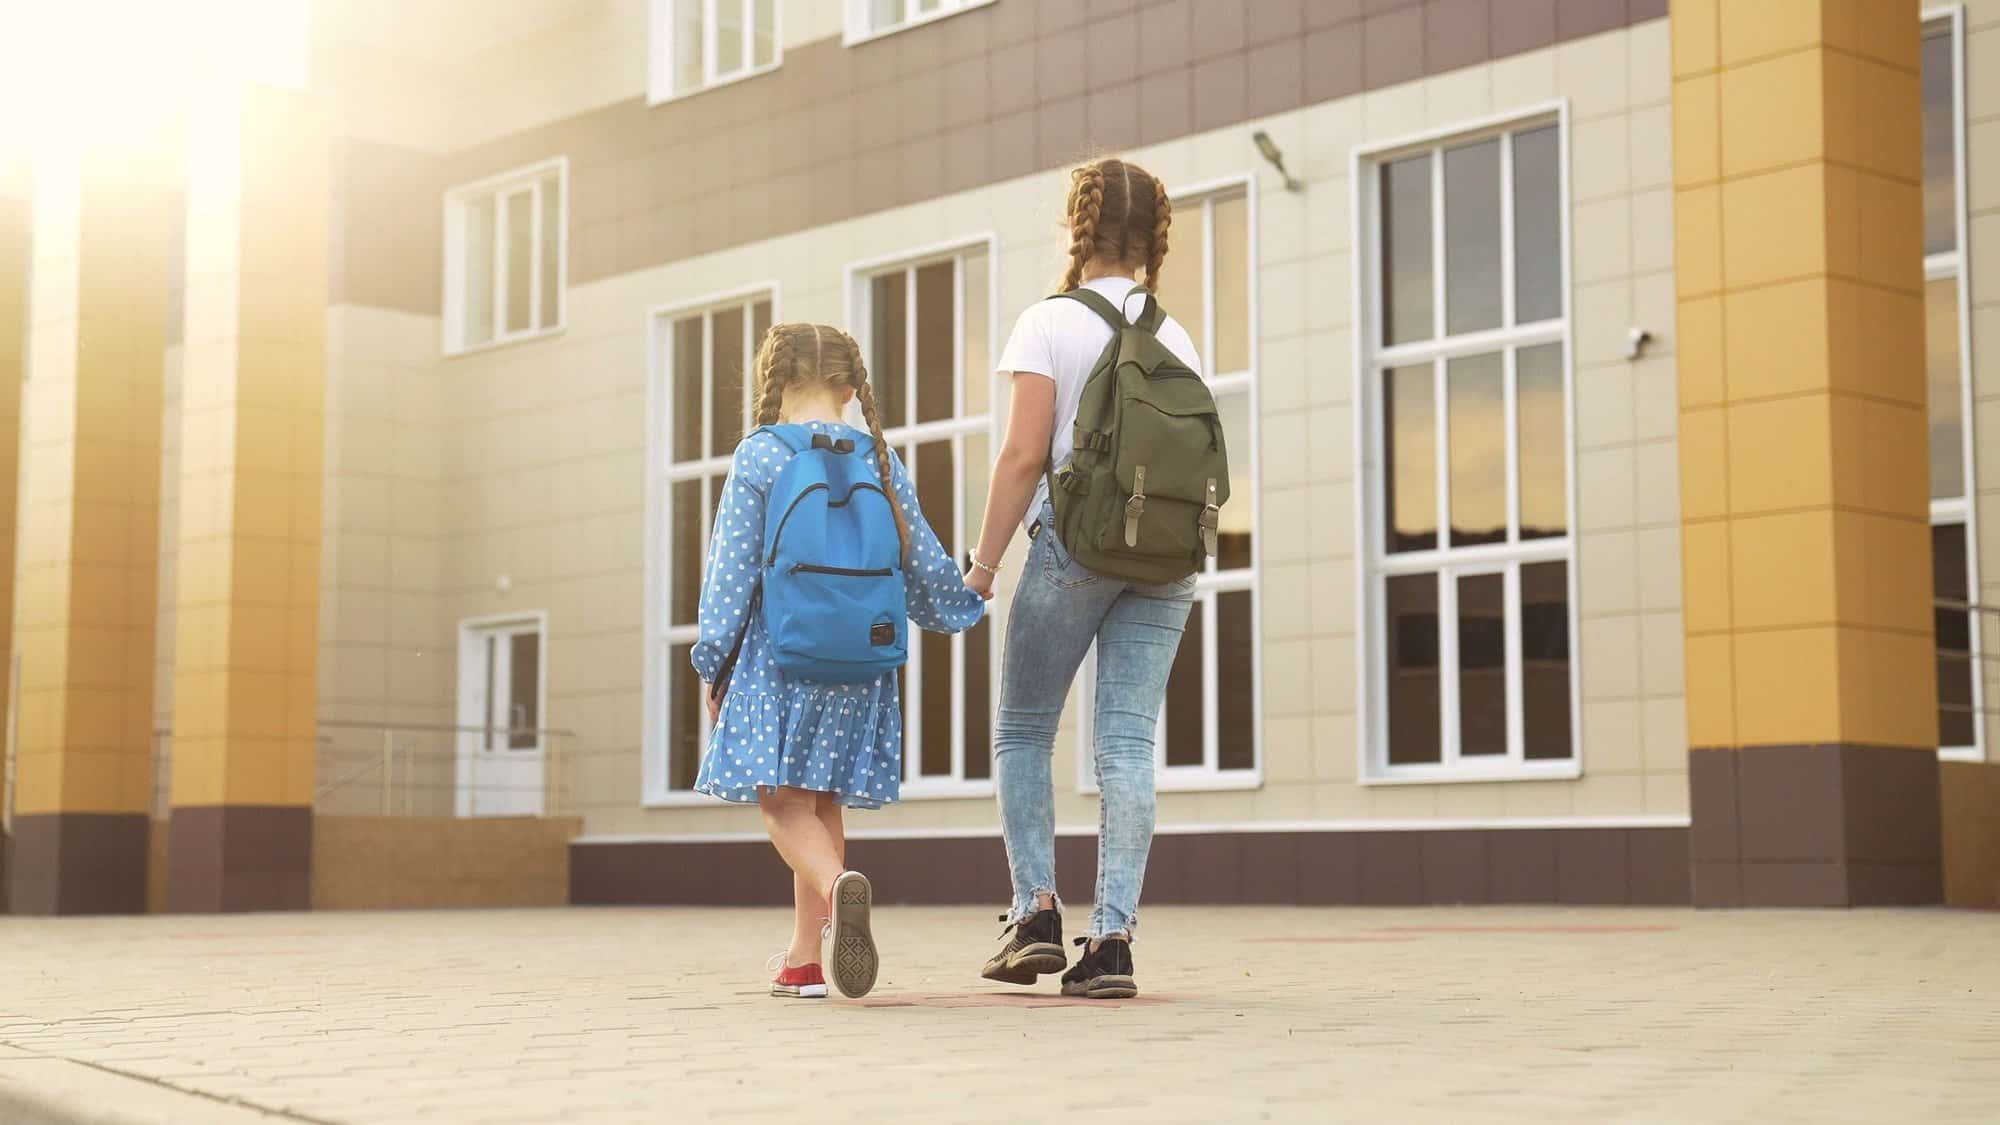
979 582
714 702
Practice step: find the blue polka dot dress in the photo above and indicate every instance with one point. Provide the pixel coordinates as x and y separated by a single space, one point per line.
844 739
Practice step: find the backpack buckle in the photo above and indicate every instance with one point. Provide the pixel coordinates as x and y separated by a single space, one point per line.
1135 506
1210 518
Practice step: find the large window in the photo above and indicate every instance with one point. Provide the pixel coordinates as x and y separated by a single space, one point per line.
924 324
695 44
1466 391
1949 375
1210 727
867 19
703 356
504 257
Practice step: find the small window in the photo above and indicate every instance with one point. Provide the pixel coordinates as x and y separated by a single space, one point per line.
868 19
696 44
1470 545
505 257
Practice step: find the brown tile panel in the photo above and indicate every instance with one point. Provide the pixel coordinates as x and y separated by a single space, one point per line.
1970 829
229 858
78 863
1640 866
1829 825
987 95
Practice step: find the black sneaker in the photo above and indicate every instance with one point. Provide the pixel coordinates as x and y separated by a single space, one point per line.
1034 948
1104 973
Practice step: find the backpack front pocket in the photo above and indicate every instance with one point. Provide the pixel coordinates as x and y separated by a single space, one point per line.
839 624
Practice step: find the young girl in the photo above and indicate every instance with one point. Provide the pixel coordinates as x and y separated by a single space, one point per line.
1118 217
803 750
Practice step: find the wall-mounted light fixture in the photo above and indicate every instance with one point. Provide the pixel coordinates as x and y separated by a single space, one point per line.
1269 149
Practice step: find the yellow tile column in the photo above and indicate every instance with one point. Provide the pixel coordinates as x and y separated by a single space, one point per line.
247 618
1805 499
88 522
15 187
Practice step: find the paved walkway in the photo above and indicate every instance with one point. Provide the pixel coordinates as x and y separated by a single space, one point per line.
1249 1014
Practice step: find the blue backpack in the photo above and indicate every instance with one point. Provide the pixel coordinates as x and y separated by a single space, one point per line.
831 583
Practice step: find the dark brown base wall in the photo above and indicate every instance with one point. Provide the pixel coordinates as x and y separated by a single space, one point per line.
224 858
78 863
1970 804
1623 866
1832 825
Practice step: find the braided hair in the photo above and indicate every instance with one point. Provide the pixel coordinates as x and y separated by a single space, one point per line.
1119 212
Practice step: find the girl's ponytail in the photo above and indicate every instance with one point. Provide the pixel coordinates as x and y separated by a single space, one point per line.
1086 203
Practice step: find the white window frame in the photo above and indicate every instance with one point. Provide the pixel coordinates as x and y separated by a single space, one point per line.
1937 267
1370 359
662 473
857 30
660 48
1209 584
499 188
858 275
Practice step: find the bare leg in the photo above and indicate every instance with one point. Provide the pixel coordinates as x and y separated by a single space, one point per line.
809 906
801 837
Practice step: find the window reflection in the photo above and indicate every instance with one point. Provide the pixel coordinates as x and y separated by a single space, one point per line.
1236 677
1545 677
1406 250
1954 636
1476 389
1482 665
726 405
1537 226
1543 441
1409 456
1186 711
1233 531
1411 601
1472 237
1232 284
937 371
1940 67
888 312
1942 369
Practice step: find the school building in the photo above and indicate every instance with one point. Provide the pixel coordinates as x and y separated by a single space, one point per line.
1611 387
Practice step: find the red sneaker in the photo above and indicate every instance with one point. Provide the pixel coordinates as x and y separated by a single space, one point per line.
802 981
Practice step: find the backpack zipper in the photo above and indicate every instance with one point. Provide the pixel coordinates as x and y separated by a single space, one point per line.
777 536
850 572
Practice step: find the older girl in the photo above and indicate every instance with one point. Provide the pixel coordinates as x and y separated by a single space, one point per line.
804 750
1118 217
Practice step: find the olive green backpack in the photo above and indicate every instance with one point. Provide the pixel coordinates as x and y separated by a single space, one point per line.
1148 474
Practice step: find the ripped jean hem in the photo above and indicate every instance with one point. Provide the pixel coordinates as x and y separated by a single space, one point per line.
1025 909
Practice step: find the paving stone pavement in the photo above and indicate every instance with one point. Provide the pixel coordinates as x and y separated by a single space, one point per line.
1248 1014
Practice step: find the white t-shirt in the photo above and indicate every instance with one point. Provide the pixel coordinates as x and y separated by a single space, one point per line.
1061 340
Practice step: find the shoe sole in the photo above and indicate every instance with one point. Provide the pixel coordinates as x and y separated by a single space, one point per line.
799 991
854 962
1027 964
1108 987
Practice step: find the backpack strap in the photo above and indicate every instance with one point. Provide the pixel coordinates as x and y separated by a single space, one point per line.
1149 317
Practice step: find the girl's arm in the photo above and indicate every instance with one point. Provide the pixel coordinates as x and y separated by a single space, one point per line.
1024 455
735 548
938 597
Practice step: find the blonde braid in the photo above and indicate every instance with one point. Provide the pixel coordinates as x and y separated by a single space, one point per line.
1163 217
1086 202
775 367
866 394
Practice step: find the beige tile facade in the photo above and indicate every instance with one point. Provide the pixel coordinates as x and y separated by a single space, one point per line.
538 472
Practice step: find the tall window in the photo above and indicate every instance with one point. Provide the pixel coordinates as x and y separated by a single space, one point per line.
504 257
1949 376
1469 546
925 330
705 404
1211 719
867 19
696 44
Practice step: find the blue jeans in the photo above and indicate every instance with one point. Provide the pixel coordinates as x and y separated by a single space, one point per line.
1059 609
